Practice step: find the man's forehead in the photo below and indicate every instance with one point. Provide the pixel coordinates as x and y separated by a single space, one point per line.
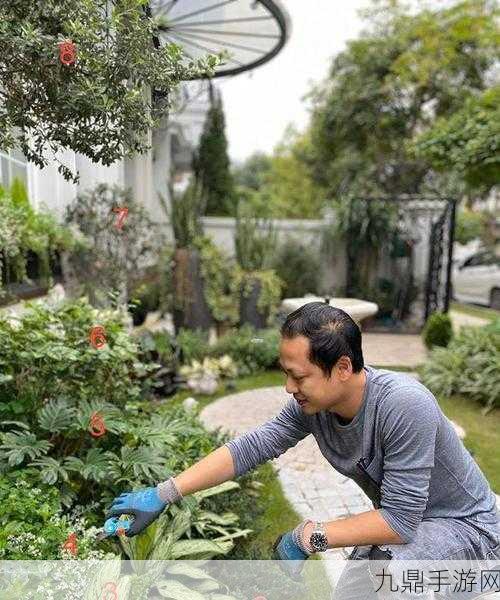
294 352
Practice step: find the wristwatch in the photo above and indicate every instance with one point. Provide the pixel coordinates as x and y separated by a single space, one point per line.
318 540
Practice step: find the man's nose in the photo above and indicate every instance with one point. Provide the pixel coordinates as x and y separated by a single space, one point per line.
290 386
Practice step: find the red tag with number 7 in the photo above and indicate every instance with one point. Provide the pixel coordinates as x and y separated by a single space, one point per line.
123 212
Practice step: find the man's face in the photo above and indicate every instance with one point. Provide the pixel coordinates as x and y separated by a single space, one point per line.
307 382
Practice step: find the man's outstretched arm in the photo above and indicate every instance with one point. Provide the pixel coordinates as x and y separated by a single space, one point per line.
234 458
214 469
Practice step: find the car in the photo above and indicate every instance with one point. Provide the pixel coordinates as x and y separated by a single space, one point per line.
477 279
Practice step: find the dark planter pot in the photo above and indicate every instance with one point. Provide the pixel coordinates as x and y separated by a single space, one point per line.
249 312
191 310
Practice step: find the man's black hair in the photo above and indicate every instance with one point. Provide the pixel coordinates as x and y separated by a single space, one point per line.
331 332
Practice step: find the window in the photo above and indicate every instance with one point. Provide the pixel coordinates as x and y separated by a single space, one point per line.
12 165
482 259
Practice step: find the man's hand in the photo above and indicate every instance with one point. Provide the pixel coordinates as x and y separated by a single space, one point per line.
145 505
290 554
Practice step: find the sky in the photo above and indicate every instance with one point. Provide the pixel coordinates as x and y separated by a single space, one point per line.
259 106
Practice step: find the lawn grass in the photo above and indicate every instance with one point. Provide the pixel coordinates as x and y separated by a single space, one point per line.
482 434
476 311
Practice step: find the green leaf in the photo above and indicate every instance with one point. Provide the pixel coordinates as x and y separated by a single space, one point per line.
18 446
200 548
224 519
56 416
218 489
51 469
16 423
96 465
178 591
185 569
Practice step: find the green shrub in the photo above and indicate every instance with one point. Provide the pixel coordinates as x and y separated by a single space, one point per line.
108 260
469 366
31 522
299 266
193 345
23 230
52 382
251 350
47 354
144 299
438 330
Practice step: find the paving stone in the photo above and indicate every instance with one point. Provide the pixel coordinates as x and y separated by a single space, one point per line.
389 349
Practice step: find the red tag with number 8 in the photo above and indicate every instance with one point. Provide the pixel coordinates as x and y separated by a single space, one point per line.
109 591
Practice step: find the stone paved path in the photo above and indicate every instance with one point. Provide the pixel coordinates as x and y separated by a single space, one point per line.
393 350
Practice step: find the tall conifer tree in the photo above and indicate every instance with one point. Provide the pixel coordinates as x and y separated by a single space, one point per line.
211 165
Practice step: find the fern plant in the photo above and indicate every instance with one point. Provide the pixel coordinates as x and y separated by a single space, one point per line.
470 366
18 446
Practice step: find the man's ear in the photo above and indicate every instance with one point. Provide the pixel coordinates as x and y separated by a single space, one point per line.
344 368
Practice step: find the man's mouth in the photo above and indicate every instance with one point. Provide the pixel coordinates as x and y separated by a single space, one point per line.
301 401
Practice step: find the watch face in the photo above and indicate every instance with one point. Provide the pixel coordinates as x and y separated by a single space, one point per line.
319 541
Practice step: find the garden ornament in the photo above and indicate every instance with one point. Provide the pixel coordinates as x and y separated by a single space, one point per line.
190 404
203 383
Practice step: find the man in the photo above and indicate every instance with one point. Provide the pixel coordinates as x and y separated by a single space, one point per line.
382 429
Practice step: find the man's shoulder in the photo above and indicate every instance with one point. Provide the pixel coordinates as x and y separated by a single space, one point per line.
395 390
384 382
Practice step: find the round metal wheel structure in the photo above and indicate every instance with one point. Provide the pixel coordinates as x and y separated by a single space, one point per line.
251 32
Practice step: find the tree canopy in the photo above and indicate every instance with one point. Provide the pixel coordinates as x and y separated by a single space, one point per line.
280 185
390 85
468 141
94 96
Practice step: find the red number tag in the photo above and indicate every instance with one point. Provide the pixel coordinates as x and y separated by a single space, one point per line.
97 336
70 544
96 425
123 212
109 591
67 53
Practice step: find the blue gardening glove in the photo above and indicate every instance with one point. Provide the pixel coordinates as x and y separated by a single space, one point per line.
145 505
290 555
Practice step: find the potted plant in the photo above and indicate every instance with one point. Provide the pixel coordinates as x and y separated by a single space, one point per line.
257 283
190 308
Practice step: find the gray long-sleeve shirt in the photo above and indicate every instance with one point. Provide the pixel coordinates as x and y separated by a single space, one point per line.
399 448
